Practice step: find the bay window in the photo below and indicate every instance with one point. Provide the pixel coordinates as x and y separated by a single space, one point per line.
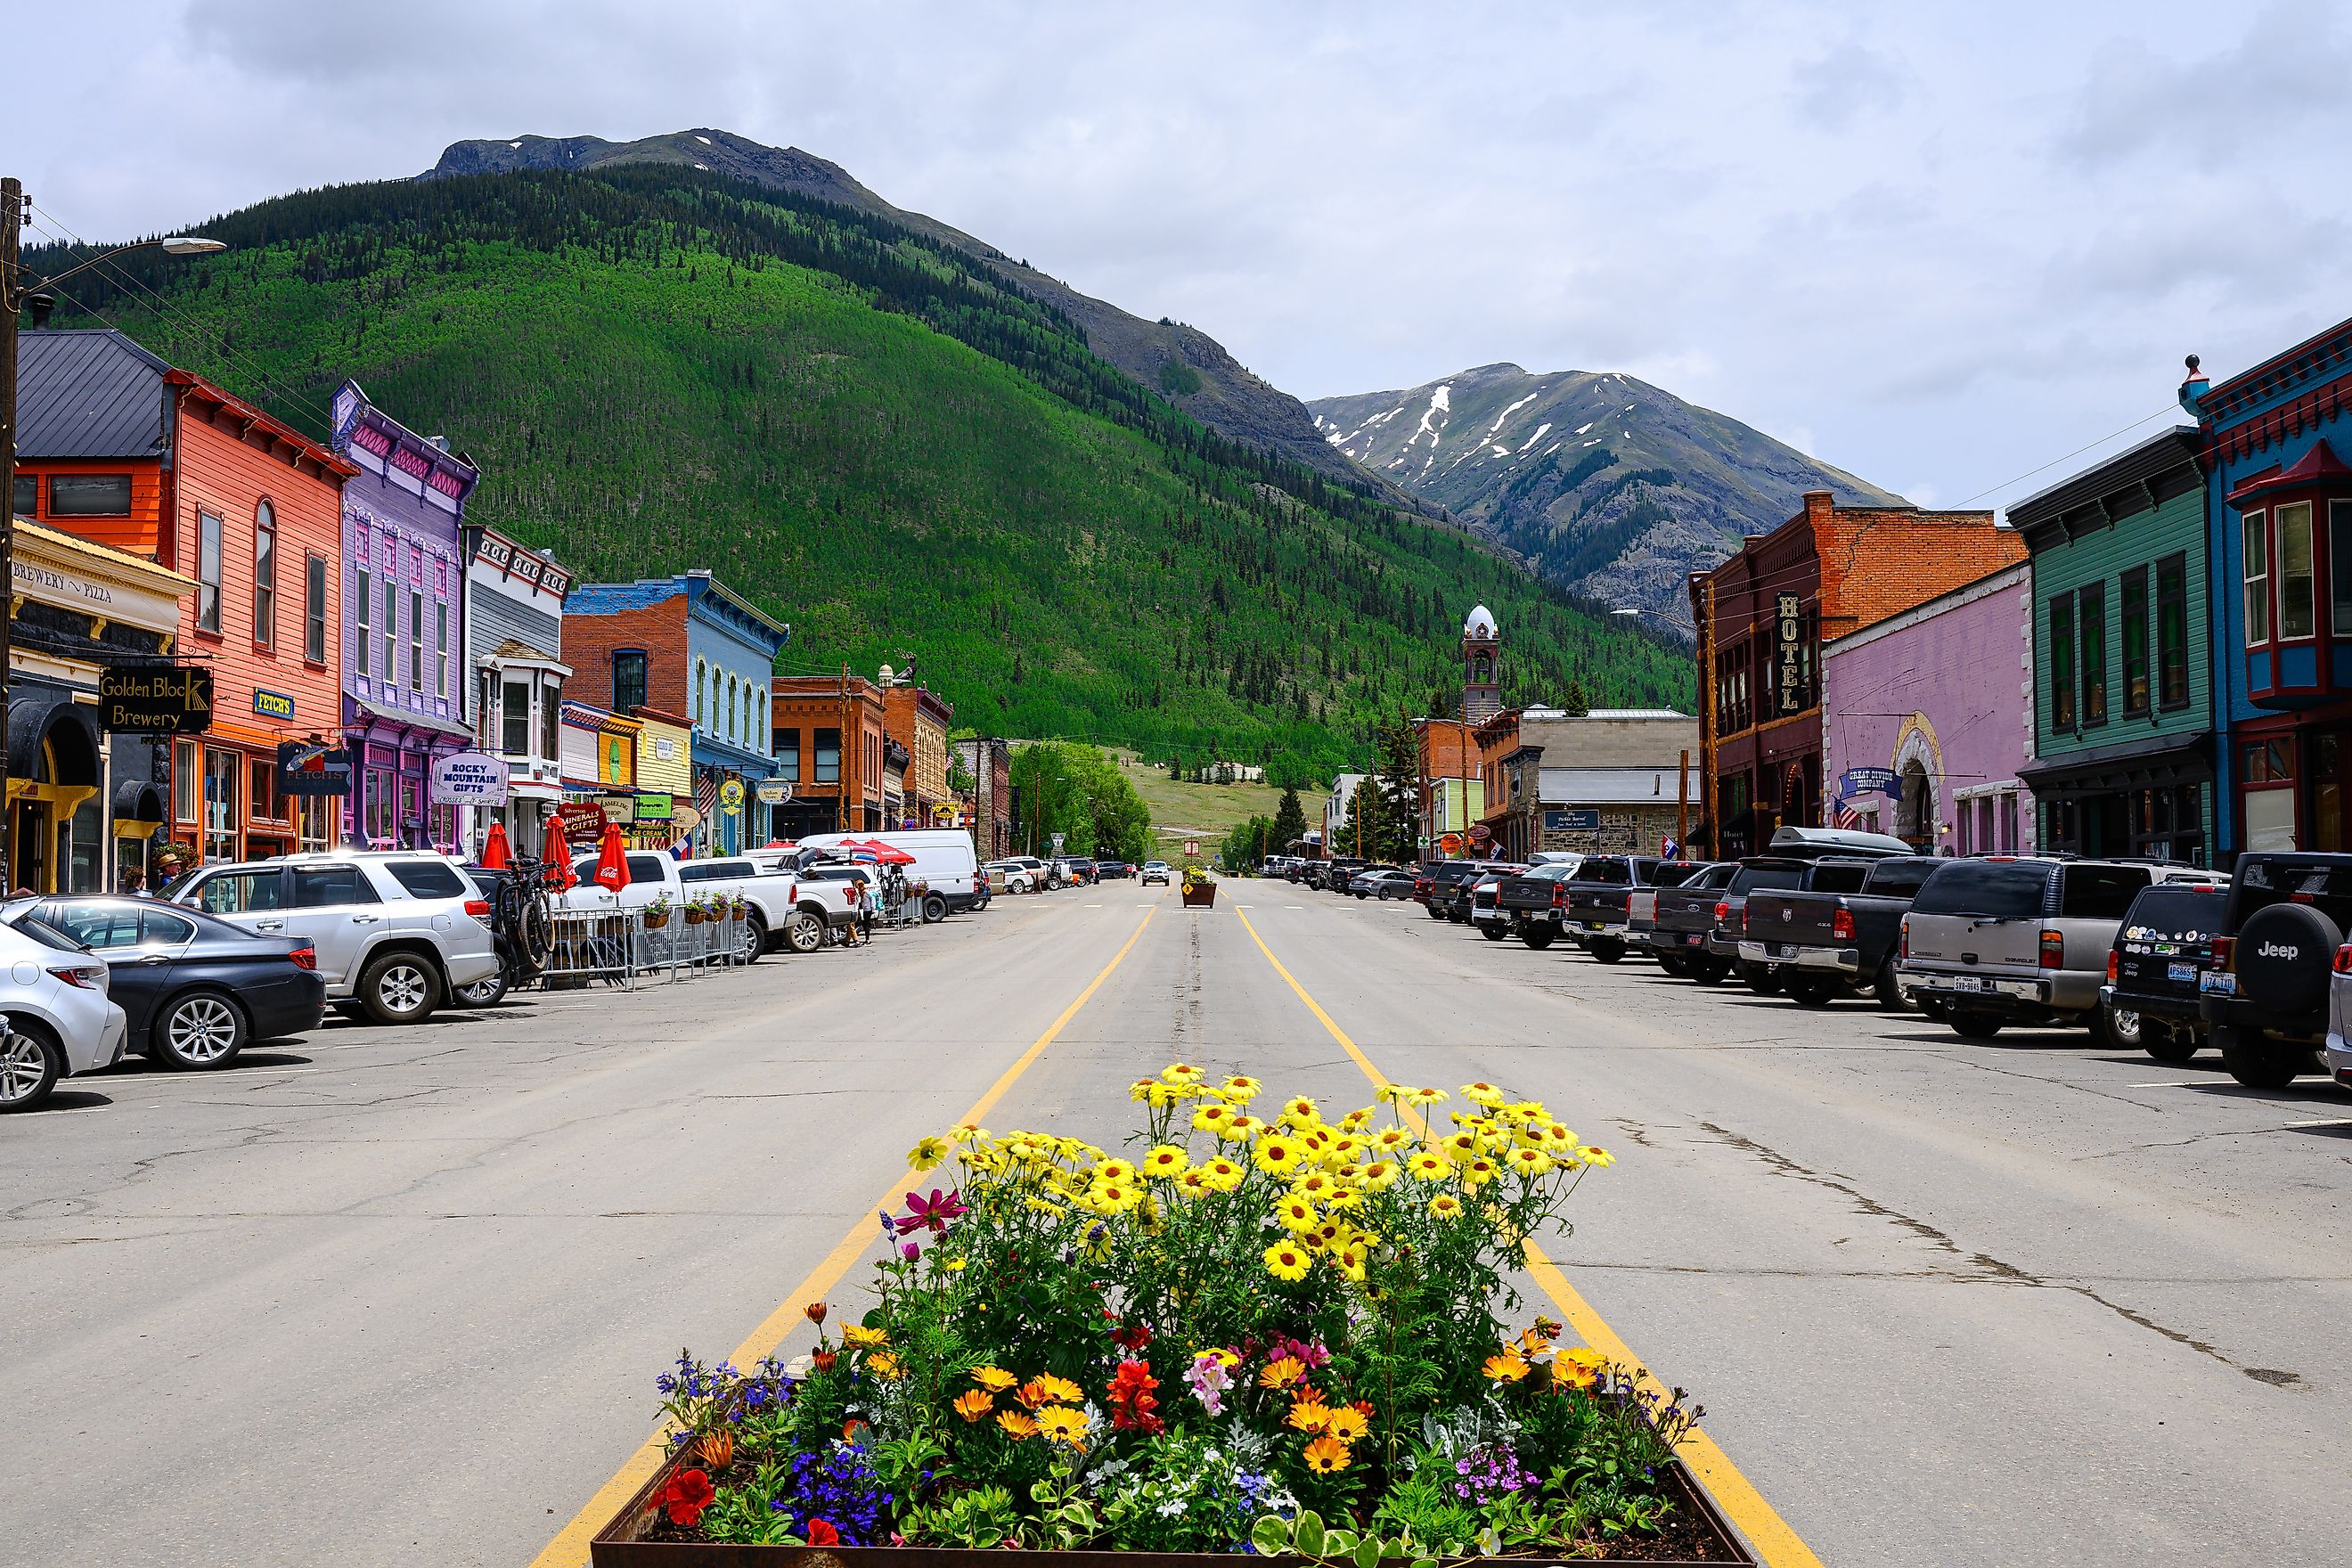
2254 533
2297 615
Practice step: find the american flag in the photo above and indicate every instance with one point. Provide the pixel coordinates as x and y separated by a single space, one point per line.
1846 816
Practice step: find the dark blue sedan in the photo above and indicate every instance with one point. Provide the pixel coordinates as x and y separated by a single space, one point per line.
194 990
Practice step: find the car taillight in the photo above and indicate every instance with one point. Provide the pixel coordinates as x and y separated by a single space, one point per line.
1559 897
479 908
2222 948
2054 949
304 958
2343 959
1722 911
1841 926
2115 965
77 974
1902 940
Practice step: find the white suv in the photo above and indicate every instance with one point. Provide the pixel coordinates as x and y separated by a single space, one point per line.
397 931
59 1018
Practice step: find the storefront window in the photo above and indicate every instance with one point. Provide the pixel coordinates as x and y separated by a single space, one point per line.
515 719
186 778
265 790
2339 566
2297 616
2133 603
2061 662
2268 812
2092 617
2172 630
314 819
221 770
2256 540
2326 793
85 857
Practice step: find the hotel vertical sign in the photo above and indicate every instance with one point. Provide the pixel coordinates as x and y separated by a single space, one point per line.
1787 660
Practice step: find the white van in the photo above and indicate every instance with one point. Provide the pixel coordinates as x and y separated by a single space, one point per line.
943 856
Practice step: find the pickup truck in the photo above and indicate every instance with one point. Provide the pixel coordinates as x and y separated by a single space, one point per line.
1535 903
781 911
1680 920
1641 910
1599 900
1433 889
1827 942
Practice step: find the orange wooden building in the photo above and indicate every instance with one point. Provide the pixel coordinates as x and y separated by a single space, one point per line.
124 450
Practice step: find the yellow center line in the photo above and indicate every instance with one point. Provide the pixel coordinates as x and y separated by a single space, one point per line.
1776 1544
569 1547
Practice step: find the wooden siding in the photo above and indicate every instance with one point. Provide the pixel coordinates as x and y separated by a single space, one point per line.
135 534
2104 555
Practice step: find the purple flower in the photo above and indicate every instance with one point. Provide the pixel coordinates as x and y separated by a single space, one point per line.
911 1251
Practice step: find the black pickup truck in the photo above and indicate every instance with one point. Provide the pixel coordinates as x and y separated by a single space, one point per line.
2157 965
1600 897
1827 942
1535 902
1690 906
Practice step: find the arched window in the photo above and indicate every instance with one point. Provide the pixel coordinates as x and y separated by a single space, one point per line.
730 706
701 675
265 574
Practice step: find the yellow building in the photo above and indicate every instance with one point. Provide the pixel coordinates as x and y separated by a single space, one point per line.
664 778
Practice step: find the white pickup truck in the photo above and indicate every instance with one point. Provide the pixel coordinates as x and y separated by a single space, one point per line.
784 910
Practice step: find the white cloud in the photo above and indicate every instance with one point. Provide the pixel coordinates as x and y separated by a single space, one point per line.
1945 253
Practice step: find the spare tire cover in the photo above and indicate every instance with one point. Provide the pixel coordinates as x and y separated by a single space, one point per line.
2284 956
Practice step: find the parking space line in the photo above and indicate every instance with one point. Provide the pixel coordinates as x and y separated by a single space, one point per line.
1776 1545
2324 1121
569 1547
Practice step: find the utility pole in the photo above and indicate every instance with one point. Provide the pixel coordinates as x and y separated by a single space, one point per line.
1681 809
841 769
12 213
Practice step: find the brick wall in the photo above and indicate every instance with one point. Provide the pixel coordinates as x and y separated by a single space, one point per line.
590 640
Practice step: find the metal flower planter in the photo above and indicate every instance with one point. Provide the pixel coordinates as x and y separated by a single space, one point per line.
617 1546
1200 896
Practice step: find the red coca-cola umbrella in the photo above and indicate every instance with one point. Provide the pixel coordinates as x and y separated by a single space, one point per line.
612 872
557 857
497 855
889 854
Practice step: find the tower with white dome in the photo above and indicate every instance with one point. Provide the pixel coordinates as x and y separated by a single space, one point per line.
1482 665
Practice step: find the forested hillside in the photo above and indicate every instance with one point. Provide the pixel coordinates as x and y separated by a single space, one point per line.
874 440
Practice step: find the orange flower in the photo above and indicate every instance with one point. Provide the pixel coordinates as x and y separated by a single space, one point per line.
973 1404
1326 1454
717 1448
1312 1416
1018 1425
994 1379
1346 1424
1508 1367
1282 1373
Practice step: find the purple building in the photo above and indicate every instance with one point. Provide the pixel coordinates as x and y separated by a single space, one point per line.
403 591
1927 718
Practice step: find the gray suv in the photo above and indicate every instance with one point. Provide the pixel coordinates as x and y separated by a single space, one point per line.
2010 938
397 931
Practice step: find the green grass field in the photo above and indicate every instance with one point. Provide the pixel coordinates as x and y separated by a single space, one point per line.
1203 811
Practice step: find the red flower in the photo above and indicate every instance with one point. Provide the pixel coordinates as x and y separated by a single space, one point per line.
688 1494
820 1533
1133 1337
1131 1400
822 1361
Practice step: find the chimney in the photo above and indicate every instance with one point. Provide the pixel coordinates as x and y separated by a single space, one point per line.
1817 504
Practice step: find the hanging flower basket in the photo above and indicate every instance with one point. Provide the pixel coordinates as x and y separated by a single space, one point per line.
656 919
1256 1330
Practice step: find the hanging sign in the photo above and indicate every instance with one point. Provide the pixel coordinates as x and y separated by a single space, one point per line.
656 807
156 699
773 791
1789 672
1865 781
470 778
730 797
584 822
1573 821
313 768
273 704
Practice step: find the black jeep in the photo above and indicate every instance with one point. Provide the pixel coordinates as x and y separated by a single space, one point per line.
2266 999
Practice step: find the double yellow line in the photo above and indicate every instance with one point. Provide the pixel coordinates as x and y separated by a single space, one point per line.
1778 1545
569 1547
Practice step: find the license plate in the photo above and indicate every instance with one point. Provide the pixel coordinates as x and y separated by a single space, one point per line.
1596 925
2218 980
1965 983
2180 972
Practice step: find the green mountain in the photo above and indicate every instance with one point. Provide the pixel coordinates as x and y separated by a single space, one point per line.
876 438
1612 488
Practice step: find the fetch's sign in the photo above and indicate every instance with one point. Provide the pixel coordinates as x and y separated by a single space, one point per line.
156 699
313 768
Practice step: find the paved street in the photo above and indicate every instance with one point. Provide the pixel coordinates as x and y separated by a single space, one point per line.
400 1295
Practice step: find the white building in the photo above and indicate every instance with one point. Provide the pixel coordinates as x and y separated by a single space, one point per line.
1335 811
514 644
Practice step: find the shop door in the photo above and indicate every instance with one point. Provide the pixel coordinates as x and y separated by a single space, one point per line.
35 845
2331 829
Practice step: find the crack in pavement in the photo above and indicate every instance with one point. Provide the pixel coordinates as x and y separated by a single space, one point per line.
1991 1270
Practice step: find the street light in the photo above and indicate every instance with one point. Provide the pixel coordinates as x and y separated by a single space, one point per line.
20 293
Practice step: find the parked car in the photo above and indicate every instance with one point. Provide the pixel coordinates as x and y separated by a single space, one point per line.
1642 906
2267 999
1535 902
1680 919
1828 939
944 857
1157 871
1333 876
1015 876
2155 969
1039 874
1599 900
1485 911
1448 897
1382 882
60 1020
1459 899
2016 938
394 931
194 990
780 913
1115 871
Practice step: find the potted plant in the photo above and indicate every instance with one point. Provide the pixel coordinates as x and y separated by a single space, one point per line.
1255 1330
1200 888
697 909
656 913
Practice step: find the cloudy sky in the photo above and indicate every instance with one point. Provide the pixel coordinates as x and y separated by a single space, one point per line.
1937 246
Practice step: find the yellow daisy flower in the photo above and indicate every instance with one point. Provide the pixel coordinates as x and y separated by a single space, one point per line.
1350 1260
1391 1093
1193 1184
1478 1173
857 1336
1507 1367
1483 1093
1288 1260
1277 1155
1314 1185
926 1154
1017 1425
1460 1143
1346 1423
1061 1423
1240 1128
1212 1119
1445 1206
1378 1175
1425 1096
1240 1088
1527 1162
884 1365
1327 1454
994 1379
1223 1175
1296 1214
1166 1162
1428 1166
974 1404
1310 1416
1281 1372
1299 1112
1388 1139
1142 1089
1114 1170
1183 1072
1357 1120
1592 1156
1111 1198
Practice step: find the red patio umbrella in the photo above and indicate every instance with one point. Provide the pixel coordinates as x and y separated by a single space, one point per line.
890 854
612 871
558 856
496 854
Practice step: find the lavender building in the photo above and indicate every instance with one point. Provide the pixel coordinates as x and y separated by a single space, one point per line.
1927 718
403 577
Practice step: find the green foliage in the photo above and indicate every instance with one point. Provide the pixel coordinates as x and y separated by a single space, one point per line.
1305 1536
978 1520
1078 792
1289 821
873 436
1178 379
1248 843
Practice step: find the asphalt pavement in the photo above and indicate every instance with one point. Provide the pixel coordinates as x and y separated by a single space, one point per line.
385 1295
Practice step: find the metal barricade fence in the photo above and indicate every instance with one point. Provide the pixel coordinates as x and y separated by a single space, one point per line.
619 947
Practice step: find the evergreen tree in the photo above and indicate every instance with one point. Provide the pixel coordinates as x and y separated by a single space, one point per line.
1289 822
1398 776
1574 701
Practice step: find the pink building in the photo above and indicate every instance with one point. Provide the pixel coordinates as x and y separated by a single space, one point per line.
1928 715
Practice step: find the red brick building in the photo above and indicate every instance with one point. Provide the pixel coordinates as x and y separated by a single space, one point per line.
1761 618
831 742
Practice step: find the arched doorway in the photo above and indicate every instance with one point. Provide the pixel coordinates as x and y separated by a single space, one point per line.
54 811
1796 797
1915 807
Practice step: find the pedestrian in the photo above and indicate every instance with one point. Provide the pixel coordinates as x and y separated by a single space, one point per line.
134 883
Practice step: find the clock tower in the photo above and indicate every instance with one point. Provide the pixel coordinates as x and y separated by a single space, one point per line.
1482 667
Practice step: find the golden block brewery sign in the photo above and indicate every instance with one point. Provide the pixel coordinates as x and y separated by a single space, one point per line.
156 699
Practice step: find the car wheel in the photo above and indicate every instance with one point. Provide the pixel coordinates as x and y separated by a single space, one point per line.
1538 937
804 932
1889 993
1435 912
1706 969
30 1064
1673 963
1808 992
1492 930
1974 1025
1606 949
1760 980
2259 1063
487 992
2120 1027
199 1031
754 940
400 988
2172 1046
935 908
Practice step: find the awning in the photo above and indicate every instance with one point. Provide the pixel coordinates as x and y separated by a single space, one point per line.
2147 765
403 717
138 801
70 729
